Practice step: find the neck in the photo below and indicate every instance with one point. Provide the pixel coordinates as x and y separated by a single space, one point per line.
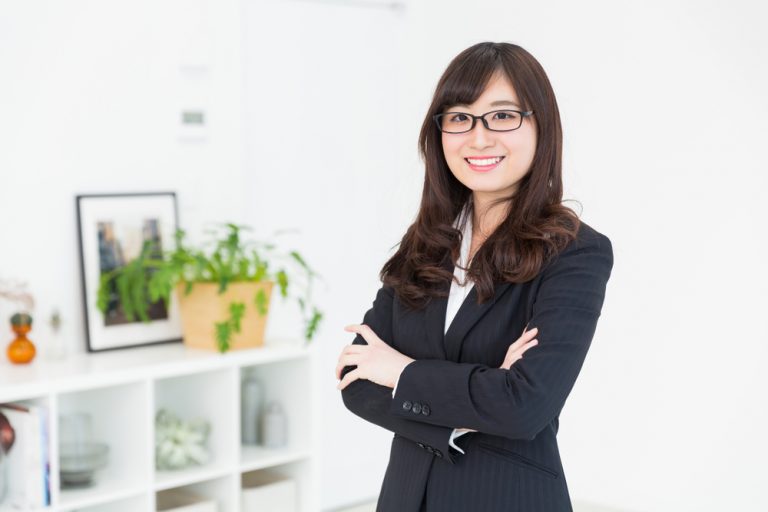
485 217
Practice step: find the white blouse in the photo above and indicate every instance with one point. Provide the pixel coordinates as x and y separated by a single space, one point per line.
458 293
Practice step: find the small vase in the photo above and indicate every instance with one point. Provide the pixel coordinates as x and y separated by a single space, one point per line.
252 398
55 348
21 350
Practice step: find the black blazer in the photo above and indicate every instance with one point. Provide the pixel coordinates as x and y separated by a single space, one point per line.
512 463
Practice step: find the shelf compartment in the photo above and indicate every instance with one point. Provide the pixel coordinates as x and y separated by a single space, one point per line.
209 396
219 490
120 417
298 471
289 384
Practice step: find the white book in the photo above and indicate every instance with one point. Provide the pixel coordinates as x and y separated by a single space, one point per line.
26 480
45 460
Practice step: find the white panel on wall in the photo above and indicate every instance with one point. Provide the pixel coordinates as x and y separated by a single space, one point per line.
322 156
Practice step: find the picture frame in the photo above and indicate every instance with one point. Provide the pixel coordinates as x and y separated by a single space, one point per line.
111 231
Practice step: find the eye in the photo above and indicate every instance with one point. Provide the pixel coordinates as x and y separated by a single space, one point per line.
506 115
457 118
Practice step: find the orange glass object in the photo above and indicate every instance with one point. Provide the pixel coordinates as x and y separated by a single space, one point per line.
21 350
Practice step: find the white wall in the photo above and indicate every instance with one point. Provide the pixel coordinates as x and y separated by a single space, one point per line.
664 119
323 156
664 113
90 100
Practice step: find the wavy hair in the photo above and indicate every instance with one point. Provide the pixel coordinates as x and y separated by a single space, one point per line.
537 227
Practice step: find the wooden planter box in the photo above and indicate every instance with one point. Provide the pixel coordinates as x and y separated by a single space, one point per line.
204 307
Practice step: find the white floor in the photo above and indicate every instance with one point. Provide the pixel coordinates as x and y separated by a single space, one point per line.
365 507
577 507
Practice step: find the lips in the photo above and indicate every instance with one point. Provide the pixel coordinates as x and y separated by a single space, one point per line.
483 164
483 161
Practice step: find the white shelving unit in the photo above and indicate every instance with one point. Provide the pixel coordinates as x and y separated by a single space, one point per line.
122 390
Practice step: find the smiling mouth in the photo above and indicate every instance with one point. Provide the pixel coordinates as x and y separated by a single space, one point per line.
484 162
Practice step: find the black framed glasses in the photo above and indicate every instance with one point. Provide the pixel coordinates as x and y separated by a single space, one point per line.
495 120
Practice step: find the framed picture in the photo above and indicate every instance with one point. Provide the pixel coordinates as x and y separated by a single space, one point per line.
112 229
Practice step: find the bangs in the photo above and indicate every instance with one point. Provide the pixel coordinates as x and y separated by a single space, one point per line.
470 78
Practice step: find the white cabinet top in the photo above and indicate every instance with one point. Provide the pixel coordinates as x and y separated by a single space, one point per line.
84 370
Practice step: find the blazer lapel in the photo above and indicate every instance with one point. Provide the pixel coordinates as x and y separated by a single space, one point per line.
468 315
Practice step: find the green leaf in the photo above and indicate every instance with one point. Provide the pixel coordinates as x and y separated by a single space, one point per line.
223 335
298 258
102 299
124 292
313 324
261 302
236 311
282 280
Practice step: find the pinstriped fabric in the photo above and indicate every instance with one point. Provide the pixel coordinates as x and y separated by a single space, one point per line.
512 463
405 478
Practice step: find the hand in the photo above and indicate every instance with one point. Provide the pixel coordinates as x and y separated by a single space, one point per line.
377 361
516 349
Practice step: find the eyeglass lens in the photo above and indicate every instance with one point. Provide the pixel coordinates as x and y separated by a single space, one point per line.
502 120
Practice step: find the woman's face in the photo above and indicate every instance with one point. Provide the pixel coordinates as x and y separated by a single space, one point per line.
464 152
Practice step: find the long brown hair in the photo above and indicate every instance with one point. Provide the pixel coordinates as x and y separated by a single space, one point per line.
537 226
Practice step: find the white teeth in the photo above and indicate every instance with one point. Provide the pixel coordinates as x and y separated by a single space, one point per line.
485 161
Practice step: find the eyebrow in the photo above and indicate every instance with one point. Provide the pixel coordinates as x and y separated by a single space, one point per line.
499 103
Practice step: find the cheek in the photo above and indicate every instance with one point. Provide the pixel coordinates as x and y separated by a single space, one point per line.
451 148
523 147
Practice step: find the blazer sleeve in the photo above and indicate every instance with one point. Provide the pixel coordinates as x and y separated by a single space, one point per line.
518 403
373 402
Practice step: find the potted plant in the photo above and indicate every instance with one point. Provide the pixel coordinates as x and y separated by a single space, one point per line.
223 287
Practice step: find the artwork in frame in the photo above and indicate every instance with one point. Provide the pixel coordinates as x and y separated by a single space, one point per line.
112 229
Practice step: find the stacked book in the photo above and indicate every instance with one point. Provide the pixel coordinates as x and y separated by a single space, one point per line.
25 467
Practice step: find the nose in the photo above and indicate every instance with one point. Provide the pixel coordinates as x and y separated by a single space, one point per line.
480 136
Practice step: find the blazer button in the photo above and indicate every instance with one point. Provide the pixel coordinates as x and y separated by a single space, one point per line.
425 410
438 454
416 408
430 449
407 405
421 445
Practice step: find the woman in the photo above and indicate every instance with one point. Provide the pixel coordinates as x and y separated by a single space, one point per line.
436 360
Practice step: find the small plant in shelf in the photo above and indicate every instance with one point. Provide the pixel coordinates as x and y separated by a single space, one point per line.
224 287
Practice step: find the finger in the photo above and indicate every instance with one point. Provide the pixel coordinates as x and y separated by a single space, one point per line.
525 330
363 330
515 353
352 349
522 348
524 338
346 360
511 360
529 345
348 378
